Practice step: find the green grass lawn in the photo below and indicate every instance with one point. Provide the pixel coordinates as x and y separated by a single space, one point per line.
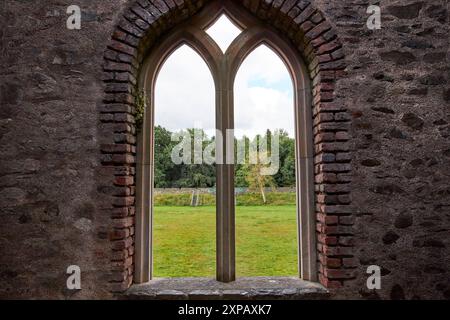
184 241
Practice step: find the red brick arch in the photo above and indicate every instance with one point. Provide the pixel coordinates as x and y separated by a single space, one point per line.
140 27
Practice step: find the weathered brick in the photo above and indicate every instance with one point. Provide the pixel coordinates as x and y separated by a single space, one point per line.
334 188
119 212
123 223
116 148
123 201
332 147
325 158
339 274
329 209
117 66
124 158
327 220
326 177
119 234
319 29
337 251
330 262
124 181
327 199
328 283
113 108
124 117
304 15
335 167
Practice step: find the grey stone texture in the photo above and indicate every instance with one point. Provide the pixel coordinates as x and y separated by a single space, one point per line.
54 196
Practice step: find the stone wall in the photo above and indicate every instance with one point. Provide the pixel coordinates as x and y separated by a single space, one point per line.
397 91
55 204
51 209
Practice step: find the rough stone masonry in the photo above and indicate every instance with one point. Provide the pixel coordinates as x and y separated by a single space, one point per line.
56 191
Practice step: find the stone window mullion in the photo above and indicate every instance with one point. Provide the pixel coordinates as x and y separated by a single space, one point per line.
225 206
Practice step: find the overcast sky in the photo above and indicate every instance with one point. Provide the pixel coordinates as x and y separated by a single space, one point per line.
185 93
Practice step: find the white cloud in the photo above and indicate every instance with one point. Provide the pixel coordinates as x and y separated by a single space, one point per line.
223 31
263 94
263 63
185 93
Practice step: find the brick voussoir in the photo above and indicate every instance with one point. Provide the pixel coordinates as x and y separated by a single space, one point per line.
131 28
318 30
144 3
304 14
117 66
161 6
144 14
288 6
171 4
337 64
328 47
131 40
119 46
141 24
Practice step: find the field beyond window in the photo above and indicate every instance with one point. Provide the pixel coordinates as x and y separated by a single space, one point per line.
266 240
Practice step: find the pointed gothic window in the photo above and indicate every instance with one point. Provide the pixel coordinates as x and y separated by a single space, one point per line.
273 103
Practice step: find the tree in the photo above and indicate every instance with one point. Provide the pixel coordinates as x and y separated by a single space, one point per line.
169 175
257 182
286 175
164 168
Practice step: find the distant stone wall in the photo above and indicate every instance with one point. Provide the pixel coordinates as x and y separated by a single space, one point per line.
213 191
183 190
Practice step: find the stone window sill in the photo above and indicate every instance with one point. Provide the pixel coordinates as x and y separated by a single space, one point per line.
254 288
